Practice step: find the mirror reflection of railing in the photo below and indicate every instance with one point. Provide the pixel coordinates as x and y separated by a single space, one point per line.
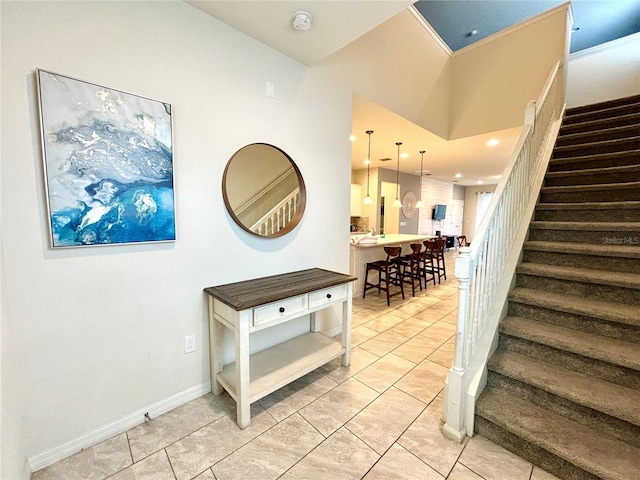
257 186
278 217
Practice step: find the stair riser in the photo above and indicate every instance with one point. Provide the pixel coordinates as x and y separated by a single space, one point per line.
608 293
580 195
615 427
589 215
623 121
598 136
610 146
530 452
596 178
578 363
616 160
593 237
619 264
583 323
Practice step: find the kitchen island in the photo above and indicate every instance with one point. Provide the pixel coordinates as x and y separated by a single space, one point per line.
362 253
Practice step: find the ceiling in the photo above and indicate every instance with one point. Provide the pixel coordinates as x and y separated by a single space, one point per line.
595 21
338 23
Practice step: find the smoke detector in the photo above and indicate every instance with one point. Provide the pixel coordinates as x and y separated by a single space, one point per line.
301 20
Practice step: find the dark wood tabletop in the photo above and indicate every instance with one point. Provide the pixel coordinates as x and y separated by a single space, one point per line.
259 291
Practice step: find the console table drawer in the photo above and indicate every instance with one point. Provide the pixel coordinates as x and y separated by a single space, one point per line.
327 295
280 309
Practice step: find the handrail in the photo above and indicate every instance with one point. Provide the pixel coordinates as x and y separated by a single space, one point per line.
276 218
486 268
264 192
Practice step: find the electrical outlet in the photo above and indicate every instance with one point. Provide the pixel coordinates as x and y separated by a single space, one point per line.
189 344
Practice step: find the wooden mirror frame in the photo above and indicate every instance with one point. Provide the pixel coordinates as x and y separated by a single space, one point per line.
302 195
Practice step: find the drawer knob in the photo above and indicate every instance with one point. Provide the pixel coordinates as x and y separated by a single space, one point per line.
328 295
281 309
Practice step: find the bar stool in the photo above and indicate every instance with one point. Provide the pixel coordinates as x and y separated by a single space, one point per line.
438 258
429 268
462 241
389 273
412 267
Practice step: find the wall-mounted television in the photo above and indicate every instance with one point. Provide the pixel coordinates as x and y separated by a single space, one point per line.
439 212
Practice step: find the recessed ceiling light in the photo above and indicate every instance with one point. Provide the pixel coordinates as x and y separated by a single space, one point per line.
458 175
493 142
479 182
352 138
366 161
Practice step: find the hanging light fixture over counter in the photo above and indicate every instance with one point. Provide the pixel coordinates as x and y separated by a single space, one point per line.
397 203
419 203
367 199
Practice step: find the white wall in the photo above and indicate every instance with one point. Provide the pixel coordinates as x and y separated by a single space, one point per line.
492 81
470 208
97 333
400 66
435 192
604 72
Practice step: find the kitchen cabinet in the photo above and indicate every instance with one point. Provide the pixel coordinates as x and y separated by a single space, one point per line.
253 305
356 200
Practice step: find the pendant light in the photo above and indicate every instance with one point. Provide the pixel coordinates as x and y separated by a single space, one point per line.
367 199
397 203
419 203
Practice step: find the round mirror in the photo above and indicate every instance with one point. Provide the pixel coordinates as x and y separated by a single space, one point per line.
263 190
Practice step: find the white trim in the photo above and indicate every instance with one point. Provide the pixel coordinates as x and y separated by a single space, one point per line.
48 457
429 29
605 46
507 31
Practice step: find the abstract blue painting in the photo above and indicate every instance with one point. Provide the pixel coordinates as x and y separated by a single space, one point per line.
108 164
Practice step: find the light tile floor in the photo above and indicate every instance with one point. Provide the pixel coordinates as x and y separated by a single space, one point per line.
379 419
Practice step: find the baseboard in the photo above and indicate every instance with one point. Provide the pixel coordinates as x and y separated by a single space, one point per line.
334 331
53 455
26 470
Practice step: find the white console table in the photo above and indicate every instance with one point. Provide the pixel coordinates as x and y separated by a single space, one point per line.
252 305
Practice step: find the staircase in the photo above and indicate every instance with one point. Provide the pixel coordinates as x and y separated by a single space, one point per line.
563 387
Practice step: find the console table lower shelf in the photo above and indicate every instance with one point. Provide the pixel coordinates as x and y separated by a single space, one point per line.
280 365
253 305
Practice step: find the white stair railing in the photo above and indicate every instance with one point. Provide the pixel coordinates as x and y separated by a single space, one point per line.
485 269
276 218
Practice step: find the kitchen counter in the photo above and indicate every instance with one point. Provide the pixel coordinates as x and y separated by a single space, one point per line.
394 239
361 254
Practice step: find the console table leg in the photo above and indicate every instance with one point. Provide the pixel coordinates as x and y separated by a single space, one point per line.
346 326
215 349
243 406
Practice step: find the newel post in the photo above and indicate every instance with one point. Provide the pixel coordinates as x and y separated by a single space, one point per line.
454 427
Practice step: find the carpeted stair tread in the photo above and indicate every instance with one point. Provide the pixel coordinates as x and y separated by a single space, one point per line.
590 345
602 146
601 250
631 100
599 157
604 134
592 125
596 160
609 311
589 449
594 171
588 226
609 398
591 188
589 205
585 275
